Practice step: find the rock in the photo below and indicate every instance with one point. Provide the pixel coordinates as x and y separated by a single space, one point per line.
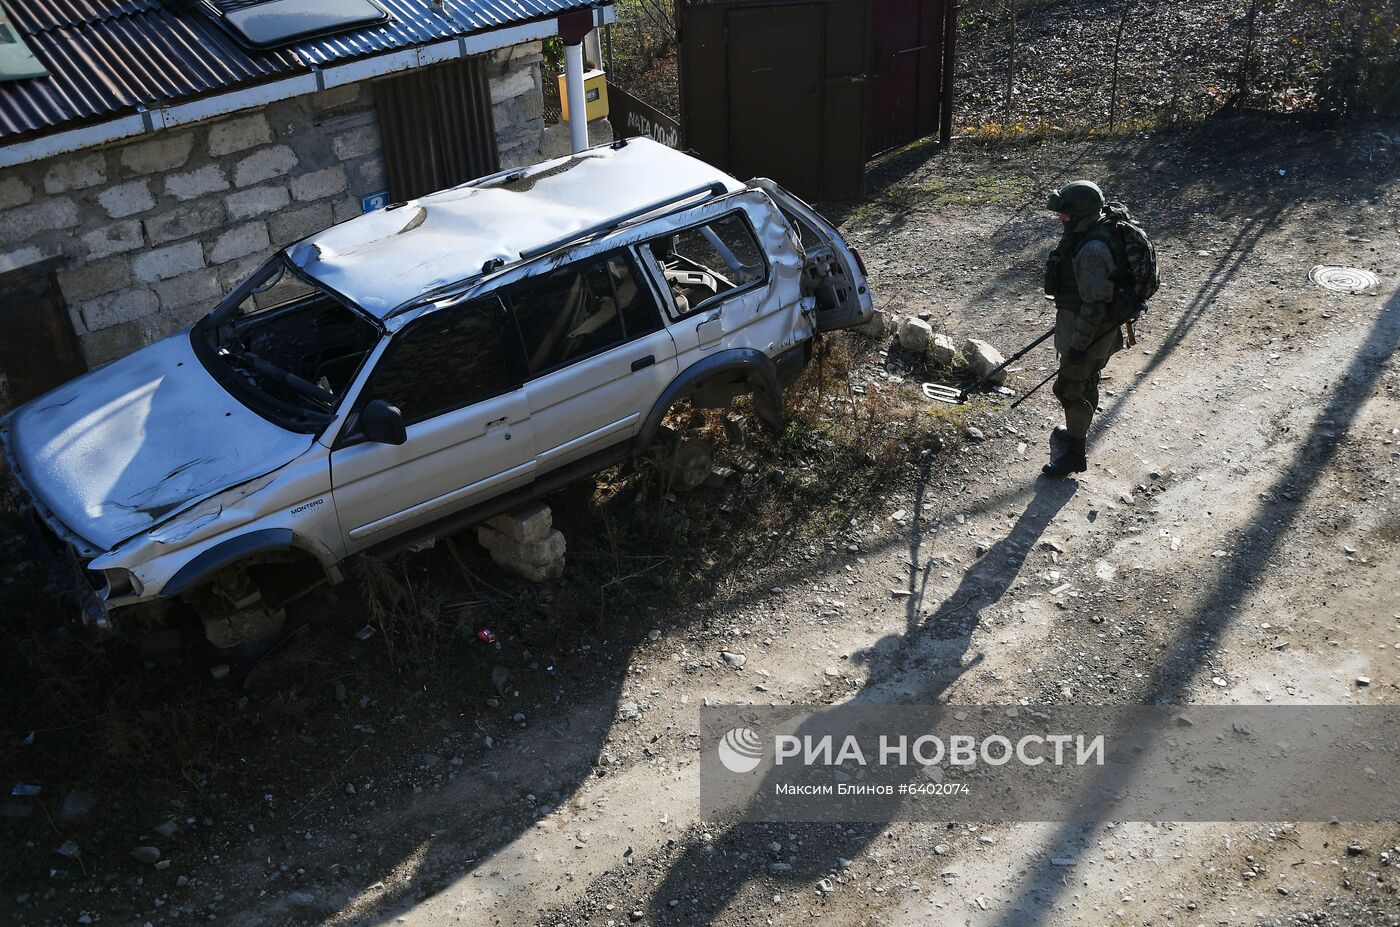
975 434
629 711
983 359
166 830
824 886
68 849
1356 849
76 806
1363 681
525 525
349 788
942 849
942 350
735 660
148 856
654 634
915 335
636 916
720 477
301 899
340 693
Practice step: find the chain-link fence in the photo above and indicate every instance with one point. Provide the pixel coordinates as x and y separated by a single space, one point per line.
1047 65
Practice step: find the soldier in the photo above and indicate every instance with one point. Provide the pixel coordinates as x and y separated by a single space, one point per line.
1080 275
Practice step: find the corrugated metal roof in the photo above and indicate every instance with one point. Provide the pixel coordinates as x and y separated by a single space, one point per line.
106 57
414 22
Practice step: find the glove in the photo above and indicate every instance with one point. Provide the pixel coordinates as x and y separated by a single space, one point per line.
1075 356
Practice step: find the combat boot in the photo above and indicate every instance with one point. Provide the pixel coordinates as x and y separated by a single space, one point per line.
1066 455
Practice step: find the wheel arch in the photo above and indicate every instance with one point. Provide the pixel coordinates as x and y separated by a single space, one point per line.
235 550
757 369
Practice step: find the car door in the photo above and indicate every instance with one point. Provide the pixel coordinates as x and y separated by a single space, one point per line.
596 354
457 386
834 271
715 273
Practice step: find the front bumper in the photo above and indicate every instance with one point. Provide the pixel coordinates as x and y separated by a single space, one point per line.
80 592
69 580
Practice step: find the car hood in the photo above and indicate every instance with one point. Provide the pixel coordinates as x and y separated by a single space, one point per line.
123 448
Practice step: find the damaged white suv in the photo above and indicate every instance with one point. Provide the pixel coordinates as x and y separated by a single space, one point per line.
417 369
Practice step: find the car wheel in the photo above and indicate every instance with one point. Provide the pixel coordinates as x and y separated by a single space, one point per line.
691 465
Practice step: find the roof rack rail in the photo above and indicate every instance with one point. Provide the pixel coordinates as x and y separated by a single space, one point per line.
494 266
712 189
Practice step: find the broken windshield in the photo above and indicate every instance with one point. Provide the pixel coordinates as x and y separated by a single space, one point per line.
284 347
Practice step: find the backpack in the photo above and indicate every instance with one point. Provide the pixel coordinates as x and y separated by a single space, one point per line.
1136 278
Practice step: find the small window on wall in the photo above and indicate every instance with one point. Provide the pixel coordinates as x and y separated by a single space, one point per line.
708 262
582 310
449 360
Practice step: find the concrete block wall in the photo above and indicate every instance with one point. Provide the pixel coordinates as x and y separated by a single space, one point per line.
517 103
146 235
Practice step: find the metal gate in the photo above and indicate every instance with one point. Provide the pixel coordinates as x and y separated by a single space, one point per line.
805 91
906 80
777 89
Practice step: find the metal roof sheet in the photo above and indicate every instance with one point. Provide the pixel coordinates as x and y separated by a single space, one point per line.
106 57
414 22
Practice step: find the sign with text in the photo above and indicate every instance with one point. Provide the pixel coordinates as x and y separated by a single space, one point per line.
869 762
631 117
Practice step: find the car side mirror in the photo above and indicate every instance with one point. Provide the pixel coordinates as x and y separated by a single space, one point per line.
383 423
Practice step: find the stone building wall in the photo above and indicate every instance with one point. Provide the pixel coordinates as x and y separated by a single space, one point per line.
147 234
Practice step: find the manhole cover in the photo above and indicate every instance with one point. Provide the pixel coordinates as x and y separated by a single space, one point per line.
1343 279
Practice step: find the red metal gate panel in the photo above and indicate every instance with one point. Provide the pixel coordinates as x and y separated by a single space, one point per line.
907 44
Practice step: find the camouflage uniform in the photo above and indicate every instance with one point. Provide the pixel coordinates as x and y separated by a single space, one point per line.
1082 269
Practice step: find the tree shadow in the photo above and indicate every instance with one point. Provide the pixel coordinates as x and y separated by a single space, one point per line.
1258 544
742 852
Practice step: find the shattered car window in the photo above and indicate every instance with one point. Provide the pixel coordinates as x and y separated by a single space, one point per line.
581 311
284 347
449 360
706 262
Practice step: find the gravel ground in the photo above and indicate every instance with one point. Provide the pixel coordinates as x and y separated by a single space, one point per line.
1235 541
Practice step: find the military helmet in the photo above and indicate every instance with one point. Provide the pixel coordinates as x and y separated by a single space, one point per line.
1080 199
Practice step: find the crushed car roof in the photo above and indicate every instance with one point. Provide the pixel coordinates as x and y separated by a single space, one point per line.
387 257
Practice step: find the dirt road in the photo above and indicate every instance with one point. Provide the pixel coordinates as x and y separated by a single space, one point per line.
1236 540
